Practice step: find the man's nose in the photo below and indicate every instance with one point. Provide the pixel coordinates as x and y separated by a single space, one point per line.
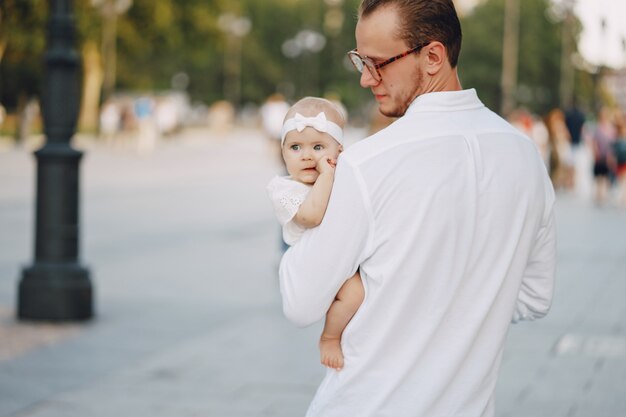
367 79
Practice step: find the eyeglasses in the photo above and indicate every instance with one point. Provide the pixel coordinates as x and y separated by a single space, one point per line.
361 62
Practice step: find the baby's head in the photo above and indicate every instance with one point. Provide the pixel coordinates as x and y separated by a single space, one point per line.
312 107
312 129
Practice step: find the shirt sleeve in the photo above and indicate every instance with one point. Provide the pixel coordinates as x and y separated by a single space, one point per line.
537 288
312 271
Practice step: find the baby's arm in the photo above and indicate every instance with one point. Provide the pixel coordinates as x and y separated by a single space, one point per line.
311 211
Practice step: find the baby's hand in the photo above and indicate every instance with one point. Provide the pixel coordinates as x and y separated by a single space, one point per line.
326 164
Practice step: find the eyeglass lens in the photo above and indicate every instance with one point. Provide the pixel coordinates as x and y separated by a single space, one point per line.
360 64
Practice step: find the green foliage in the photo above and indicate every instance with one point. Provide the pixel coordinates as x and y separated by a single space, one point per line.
88 21
540 57
539 54
158 39
480 62
22 42
23 26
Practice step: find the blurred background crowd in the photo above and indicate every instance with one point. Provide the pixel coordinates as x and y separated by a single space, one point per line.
152 68
586 157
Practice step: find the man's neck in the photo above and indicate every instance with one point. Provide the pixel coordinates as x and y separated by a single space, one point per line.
444 81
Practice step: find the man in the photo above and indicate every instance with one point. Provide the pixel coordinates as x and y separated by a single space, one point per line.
448 214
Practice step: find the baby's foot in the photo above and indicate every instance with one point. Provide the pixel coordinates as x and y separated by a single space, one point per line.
330 353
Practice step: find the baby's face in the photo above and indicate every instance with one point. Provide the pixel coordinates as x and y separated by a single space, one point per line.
302 150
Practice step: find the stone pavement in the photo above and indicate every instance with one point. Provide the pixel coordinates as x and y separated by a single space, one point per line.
183 249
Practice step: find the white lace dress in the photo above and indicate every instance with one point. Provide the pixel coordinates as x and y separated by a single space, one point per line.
286 196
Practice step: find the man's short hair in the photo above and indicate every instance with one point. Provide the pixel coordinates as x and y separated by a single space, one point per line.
424 21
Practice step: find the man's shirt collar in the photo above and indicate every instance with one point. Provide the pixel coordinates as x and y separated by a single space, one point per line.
446 101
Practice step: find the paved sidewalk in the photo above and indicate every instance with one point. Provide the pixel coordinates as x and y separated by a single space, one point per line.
183 248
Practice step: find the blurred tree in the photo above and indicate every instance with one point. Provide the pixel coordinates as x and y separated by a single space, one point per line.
22 42
266 69
164 38
160 39
89 31
341 78
480 62
156 40
539 54
294 58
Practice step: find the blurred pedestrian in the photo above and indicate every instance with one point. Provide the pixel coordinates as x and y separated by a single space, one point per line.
533 127
144 114
602 140
166 116
110 121
3 114
575 120
619 150
29 116
541 137
561 161
272 114
448 216
222 116
311 140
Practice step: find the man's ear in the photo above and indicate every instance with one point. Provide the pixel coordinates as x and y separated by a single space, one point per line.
436 57
340 148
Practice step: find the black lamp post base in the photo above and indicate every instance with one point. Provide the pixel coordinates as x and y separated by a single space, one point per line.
55 292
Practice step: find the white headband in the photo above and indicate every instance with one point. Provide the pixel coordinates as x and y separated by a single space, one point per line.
319 123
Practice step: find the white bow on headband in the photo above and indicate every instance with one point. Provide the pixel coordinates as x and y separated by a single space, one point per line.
319 123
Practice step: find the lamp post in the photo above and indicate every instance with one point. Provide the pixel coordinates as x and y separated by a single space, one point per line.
56 286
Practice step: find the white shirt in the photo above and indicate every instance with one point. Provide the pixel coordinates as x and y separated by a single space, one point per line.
449 214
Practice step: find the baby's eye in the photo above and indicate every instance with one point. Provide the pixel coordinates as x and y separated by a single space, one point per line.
295 147
318 147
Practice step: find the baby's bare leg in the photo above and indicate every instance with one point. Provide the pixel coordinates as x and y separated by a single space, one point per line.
347 302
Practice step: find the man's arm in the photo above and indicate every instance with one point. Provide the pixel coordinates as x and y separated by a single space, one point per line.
535 295
312 271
